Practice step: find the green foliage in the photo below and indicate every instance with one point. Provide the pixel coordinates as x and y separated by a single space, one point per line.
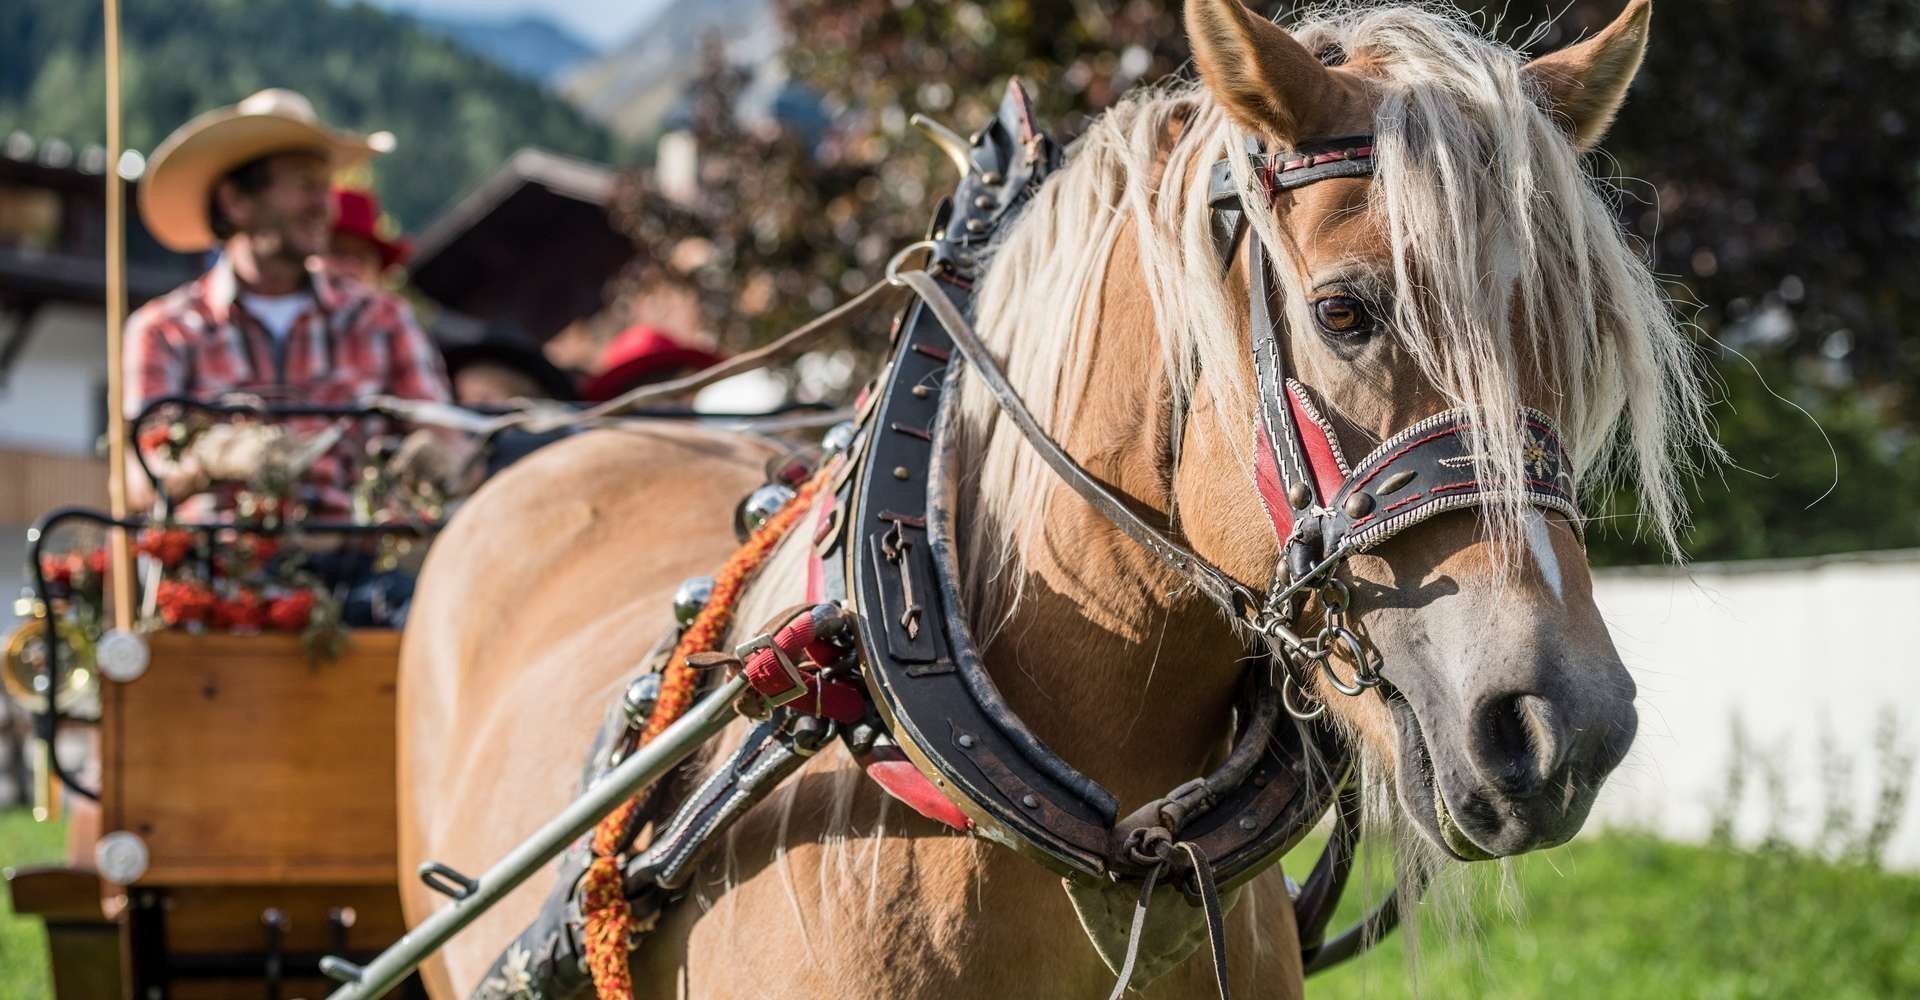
456 116
1628 916
23 941
1766 161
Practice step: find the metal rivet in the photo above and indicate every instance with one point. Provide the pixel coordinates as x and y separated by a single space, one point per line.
921 392
983 202
1247 823
966 741
991 177
1359 505
976 225
1259 779
1030 800
1395 481
1299 495
900 472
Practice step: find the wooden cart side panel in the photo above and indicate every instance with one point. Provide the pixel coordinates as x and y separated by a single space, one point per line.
239 761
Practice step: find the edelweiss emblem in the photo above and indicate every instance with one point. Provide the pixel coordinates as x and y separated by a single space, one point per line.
1534 454
515 981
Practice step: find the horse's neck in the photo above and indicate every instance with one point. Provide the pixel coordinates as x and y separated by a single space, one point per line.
780 583
1112 659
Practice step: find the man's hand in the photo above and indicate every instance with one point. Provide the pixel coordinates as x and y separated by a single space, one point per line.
445 460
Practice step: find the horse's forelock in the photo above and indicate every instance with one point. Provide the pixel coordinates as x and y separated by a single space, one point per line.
1511 269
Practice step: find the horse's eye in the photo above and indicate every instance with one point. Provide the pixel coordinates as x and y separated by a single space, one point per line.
1341 316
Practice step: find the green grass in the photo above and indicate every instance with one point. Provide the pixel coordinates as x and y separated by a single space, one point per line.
1611 915
1629 916
23 942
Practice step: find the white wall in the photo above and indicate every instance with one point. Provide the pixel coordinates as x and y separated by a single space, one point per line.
50 401
1800 651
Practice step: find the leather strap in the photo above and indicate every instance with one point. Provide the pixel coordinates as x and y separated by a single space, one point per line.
1140 910
1221 589
1209 891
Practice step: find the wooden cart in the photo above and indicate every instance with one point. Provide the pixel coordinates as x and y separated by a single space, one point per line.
261 785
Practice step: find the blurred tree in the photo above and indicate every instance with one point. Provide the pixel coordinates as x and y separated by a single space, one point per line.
457 117
1776 142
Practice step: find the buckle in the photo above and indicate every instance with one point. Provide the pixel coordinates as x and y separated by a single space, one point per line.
761 679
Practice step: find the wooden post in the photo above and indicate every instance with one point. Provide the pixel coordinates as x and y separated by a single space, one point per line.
122 557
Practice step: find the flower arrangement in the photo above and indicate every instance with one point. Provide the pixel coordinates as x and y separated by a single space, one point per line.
227 580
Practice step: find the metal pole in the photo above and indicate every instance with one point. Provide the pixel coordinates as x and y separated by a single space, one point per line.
122 561
646 766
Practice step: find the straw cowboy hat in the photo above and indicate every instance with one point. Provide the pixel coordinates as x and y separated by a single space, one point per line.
184 168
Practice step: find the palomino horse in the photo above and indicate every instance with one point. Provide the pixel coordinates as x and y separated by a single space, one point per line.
1478 267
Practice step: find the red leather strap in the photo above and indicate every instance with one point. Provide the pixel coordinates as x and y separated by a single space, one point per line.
803 689
1328 473
1273 492
892 771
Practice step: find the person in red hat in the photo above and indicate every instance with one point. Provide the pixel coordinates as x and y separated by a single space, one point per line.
640 355
358 248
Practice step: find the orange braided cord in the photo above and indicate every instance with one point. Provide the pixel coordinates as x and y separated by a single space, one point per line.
603 902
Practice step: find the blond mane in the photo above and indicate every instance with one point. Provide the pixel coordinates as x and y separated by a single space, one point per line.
1505 248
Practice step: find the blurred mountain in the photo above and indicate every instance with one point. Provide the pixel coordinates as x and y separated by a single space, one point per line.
526 44
634 88
457 116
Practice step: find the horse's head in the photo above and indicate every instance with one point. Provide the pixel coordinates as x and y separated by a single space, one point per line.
1476 267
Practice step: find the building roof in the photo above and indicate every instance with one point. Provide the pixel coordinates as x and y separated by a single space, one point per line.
53 242
531 249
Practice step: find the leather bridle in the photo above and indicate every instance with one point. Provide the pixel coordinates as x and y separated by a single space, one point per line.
1323 510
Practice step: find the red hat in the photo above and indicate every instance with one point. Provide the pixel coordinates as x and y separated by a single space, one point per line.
358 213
642 354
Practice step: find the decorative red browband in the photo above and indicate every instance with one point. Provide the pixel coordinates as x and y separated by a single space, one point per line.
1293 168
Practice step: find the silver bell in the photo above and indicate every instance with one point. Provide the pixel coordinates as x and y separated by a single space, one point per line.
639 699
690 597
838 438
761 505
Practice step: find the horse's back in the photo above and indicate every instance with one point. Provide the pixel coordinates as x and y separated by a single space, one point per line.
544 591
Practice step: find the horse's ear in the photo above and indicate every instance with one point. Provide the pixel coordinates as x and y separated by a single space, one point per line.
1586 83
1267 81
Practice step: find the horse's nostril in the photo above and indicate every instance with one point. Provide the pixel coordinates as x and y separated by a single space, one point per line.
1520 744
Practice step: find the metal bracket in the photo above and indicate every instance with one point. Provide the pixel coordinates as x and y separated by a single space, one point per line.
275 925
446 881
340 970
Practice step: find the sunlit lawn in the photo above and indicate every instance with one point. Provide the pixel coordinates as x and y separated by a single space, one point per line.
1612 915
23 944
1628 916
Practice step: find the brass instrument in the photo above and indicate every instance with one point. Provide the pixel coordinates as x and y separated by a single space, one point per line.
23 673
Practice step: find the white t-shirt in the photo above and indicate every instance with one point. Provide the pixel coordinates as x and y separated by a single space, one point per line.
276 312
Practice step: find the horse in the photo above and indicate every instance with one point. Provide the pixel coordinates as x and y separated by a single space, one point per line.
1479 266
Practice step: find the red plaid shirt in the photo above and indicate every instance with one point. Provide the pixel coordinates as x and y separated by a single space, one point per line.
352 341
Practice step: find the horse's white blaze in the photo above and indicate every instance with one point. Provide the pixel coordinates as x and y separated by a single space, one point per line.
1540 542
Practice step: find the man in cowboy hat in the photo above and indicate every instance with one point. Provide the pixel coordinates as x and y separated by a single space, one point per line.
269 319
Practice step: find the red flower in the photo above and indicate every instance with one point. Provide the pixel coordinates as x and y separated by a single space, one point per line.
57 572
183 602
169 545
291 612
97 561
154 437
80 570
244 610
